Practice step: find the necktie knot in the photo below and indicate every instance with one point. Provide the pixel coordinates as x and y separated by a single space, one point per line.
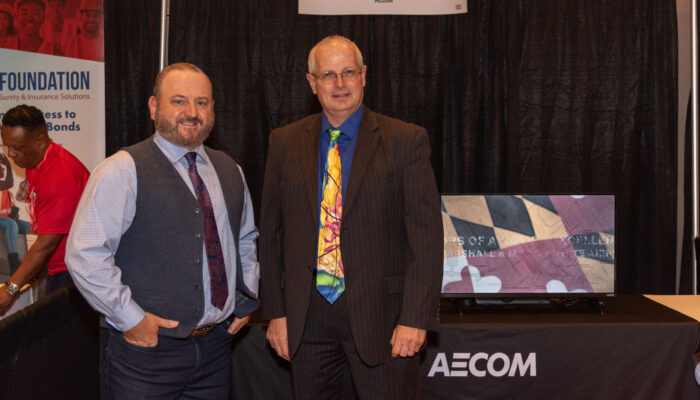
191 158
334 133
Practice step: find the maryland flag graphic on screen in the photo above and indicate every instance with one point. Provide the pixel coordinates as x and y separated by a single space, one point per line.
529 244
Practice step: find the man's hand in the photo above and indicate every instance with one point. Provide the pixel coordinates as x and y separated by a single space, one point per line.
237 324
277 336
145 333
406 341
6 300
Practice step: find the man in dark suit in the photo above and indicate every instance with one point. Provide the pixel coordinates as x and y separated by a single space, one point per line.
351 240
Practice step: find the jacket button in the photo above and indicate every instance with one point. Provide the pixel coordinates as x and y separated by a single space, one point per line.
198 235
199 288
197 210
197 311
197 260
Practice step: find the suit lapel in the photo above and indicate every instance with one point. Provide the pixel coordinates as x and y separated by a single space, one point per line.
309 161
367 141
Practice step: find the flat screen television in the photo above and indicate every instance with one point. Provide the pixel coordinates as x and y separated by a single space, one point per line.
536 246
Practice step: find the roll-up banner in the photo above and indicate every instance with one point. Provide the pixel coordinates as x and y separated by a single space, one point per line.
384 7
52 57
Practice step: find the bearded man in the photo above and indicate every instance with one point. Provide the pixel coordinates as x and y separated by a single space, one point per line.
89 43
163 244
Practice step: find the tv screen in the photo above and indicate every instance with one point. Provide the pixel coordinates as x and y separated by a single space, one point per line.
528 245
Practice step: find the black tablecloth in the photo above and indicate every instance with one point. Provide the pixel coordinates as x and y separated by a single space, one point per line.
637 349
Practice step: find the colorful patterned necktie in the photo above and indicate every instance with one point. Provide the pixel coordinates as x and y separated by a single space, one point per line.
215 256
330 278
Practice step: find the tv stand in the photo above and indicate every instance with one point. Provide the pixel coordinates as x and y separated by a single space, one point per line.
594 302
554 303
515 301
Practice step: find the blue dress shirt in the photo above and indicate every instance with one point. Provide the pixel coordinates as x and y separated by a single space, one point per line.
346 145
105 212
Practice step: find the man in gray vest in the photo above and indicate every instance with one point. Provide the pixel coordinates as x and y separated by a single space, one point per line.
163 244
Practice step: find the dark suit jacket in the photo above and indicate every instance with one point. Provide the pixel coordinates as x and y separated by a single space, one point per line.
391 231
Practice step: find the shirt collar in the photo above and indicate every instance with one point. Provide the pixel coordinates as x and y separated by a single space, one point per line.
47 154
350 127
174 152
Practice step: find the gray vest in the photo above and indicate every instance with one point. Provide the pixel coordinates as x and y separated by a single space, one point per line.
160 255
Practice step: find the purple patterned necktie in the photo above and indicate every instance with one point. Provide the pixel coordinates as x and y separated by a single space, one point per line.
215 256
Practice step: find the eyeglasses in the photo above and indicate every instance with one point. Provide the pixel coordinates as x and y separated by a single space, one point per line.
349 75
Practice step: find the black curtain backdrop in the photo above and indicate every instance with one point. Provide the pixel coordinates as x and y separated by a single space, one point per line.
517 96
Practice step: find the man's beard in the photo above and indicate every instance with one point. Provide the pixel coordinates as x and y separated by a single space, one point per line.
170 132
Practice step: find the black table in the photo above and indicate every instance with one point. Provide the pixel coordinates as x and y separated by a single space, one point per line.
638 349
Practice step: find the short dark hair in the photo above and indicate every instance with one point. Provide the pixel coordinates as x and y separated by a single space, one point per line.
177 66
30 118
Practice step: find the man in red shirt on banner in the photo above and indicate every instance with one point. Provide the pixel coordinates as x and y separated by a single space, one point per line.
56 181
89 43
29 16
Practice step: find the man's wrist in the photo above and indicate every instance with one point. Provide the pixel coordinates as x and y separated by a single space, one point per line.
11 288
130 315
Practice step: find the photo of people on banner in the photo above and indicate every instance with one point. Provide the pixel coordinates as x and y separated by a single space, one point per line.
69 28
10 223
